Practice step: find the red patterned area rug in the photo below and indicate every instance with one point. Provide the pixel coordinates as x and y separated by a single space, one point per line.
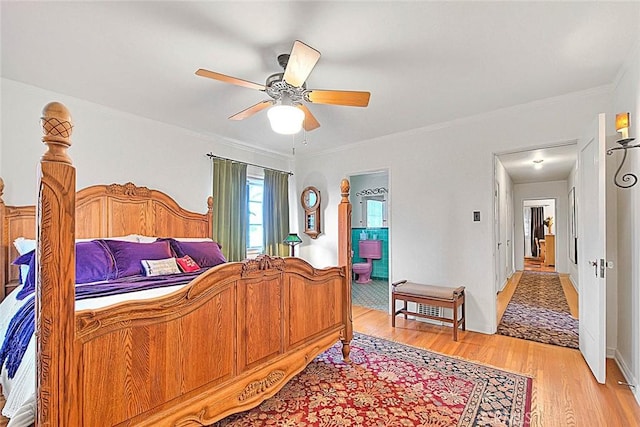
390 384
538 311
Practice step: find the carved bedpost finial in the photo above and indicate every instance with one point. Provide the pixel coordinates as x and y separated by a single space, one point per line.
210 203
56 127
1 188
344 189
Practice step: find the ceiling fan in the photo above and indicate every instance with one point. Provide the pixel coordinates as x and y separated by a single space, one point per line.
288 91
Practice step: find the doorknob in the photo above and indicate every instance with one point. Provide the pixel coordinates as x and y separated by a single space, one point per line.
602 267
594 264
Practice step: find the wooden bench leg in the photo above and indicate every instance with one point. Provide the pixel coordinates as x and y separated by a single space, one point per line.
393 311
464 317
455 320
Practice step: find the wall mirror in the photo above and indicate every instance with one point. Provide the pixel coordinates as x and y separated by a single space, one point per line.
310 200
374 211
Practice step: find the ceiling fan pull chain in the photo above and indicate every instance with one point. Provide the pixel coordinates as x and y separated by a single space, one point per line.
304 132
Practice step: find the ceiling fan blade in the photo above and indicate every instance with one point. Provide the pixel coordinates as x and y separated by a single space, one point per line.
338 97
228 79
310 123
251 110
301 61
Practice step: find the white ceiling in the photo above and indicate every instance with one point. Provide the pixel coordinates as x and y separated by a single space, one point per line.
423 62
553 164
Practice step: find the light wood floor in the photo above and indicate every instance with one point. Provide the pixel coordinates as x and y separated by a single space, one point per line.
564 390
535 264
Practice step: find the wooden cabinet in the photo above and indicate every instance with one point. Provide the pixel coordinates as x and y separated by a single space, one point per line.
550 249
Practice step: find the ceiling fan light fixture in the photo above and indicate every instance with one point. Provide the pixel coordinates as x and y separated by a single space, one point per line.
285 119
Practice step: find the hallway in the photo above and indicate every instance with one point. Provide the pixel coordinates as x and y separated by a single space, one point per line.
536 264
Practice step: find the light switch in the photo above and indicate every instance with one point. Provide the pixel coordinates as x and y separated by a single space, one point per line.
476 215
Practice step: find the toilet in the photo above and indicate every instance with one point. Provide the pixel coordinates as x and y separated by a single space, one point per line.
369 250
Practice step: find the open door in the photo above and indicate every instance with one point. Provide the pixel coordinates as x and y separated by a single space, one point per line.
592 247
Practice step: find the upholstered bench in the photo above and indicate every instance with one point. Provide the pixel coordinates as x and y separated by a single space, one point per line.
439 296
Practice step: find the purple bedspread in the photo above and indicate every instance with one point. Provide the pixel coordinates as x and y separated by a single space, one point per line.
22 325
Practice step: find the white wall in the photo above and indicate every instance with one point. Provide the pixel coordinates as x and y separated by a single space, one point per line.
438 176
627 99
572 268
504 235
112 146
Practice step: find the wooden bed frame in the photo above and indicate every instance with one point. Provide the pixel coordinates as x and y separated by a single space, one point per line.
222 344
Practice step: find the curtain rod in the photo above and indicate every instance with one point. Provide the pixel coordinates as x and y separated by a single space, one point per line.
213 156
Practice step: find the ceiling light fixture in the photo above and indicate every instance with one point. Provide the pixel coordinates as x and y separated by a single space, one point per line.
538 164
622 126
285 118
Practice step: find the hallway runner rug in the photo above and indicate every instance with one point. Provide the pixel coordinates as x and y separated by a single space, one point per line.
538 311
391 384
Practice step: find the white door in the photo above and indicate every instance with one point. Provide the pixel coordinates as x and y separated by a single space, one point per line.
592 247
498 258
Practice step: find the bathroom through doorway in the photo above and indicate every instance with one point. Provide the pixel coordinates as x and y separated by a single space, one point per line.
370 239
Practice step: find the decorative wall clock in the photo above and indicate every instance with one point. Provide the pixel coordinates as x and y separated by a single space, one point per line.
310 200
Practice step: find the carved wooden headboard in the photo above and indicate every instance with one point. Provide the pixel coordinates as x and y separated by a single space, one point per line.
104 211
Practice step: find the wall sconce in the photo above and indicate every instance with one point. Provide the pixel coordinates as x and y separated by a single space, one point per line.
622 126
292 240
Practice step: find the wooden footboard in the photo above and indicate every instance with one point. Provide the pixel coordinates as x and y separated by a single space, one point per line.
222 344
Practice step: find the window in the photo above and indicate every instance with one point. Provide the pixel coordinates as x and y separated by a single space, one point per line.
255 187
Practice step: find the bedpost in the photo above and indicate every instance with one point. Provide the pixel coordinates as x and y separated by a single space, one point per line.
3 246
210 215
55 289
344 260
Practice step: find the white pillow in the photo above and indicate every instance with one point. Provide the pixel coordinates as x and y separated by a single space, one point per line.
23 246
145 239
160 267
193 239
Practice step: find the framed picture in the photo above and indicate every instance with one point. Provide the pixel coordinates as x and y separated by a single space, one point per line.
573 227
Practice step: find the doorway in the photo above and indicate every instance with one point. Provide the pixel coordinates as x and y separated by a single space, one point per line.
370 224
539 238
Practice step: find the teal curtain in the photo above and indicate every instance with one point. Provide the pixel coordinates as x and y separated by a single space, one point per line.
275 215
230 208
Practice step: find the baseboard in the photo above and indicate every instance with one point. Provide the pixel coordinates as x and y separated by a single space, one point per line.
575 286
611 353
504 284
627 374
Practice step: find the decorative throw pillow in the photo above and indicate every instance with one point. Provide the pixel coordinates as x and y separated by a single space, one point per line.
205 254
187 264
160 267
24 246
94 262
128 255
29 286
